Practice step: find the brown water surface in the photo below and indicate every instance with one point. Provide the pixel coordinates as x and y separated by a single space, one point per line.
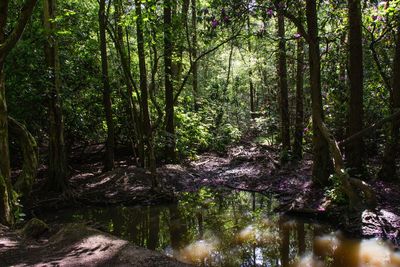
209 228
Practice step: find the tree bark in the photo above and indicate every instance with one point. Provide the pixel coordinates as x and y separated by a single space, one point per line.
30 155
150 163
6 44
107 102
169 89
354 150
322 164
299 128
388 170
283 85
194 56
57 171
135 127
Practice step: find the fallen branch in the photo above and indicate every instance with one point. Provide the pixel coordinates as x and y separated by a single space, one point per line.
369 129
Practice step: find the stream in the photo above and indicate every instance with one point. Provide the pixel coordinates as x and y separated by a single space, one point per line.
223 228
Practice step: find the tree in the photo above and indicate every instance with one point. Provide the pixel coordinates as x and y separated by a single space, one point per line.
134 125
169 88
388 170
147 129
107 102
7 43
299 127
194 56
322 164
57 170
354 150
283 84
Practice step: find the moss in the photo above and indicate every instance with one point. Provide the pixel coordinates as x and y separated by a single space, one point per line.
34 228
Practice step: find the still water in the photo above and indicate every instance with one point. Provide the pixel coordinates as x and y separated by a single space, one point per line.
209 228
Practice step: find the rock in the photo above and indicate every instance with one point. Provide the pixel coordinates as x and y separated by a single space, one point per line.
34 229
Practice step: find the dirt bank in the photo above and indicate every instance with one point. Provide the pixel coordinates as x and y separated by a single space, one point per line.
246 166
76 245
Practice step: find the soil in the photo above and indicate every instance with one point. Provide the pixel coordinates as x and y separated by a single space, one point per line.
77 245
246 166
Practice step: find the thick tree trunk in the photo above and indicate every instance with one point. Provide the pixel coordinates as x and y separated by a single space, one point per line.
169 89
30 156
6 44
107 102
150 163
5 170
322 164
299 128
57 172
388 170
354 150
283 85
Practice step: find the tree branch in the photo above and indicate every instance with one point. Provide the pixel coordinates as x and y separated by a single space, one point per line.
369 129
197 59
15 35
297 22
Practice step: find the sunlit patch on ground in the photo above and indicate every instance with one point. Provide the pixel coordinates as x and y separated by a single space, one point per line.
6 243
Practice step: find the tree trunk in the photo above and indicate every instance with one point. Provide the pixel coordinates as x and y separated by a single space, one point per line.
169 89
107 102
5 170
57 172
283 86
322 164
354 150
6 44
30 155
135 127
150 163
299 128
388 170
194 56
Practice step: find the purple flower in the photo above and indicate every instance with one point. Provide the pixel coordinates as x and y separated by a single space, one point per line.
270 12
226 19
297 35
214 23
223 12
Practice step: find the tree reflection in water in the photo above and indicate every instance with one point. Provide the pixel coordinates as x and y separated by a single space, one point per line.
223 228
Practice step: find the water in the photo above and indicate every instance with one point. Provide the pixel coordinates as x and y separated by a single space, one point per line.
232 229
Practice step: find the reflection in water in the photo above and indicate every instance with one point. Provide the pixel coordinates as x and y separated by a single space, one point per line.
233 229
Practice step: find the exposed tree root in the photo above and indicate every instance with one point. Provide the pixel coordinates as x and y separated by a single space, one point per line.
30 156
348 184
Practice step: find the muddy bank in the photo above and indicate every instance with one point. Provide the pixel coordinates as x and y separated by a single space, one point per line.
246 166
76 245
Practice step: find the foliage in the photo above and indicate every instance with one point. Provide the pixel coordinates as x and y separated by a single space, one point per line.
335 192
192 133
18 213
